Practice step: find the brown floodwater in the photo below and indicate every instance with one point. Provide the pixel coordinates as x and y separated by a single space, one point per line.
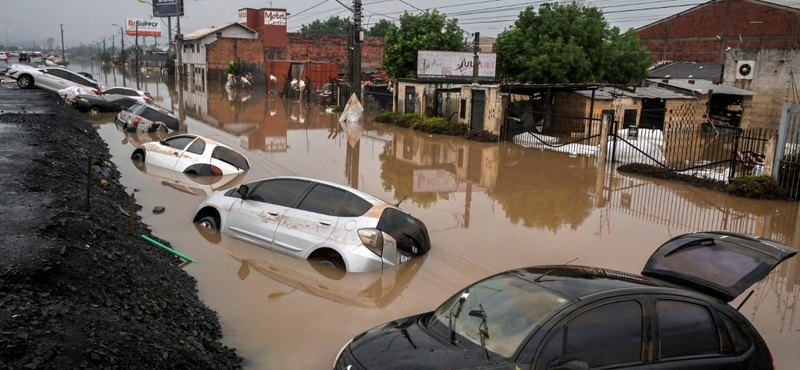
488 208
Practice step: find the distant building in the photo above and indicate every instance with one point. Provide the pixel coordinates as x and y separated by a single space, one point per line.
207 52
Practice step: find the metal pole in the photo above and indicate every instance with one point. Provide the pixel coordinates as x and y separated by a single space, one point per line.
137 54
88 183
475 59
357 50
63 53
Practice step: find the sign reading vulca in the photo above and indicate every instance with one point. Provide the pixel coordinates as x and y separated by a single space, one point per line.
144 27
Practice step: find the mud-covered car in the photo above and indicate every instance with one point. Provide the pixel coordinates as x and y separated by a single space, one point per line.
143 117
95 104
314 219
675 316
192 154
52 79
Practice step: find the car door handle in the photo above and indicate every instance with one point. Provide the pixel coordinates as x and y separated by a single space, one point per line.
272 213
325 223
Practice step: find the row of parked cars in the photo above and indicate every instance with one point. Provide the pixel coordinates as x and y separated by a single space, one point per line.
675 315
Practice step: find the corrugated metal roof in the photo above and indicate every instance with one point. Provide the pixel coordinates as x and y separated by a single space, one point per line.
648 92
687 70
209 30
702 87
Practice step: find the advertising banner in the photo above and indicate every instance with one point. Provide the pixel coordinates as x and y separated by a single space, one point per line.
454 64
145 27
274 18
166 8
243 16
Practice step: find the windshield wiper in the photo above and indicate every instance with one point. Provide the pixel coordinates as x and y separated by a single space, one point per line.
453 317
483 329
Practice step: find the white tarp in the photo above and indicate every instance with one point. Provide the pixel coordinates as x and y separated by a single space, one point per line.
351 120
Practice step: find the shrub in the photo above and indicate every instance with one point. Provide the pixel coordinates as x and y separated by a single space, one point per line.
439 125
482 135
386 117
232 68
760 187
407 120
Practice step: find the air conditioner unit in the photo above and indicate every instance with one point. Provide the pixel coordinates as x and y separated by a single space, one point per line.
745 69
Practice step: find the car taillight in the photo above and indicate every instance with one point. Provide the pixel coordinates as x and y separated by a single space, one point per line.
97 92
136 121
148 100
373 240
215 170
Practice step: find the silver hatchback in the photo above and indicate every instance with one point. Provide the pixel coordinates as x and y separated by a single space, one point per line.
313 219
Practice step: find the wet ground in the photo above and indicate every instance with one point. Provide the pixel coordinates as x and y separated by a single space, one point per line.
488 207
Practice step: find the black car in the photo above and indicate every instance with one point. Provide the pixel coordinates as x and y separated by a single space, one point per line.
675 316
94 104
24 57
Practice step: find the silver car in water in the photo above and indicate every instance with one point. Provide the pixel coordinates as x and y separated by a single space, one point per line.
312 219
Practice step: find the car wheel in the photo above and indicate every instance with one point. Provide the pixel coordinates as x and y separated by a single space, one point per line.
25 81
93 111
209 223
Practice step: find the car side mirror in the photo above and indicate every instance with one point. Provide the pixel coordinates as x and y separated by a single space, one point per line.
573 365
243 191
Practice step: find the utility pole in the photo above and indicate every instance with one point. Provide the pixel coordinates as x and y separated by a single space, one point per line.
476 61
357 38
137 53
63 53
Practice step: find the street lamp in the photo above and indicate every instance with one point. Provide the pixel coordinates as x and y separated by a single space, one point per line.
121 42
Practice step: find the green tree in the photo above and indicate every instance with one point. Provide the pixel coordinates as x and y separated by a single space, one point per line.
564 43
333 26
430 30
380 28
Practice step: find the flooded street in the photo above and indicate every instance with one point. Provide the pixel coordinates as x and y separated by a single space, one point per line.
487 207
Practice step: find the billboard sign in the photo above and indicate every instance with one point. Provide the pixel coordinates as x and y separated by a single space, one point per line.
166 8
243 16
454 64
275 17
144 27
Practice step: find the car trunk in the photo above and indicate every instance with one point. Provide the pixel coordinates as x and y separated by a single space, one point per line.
719 264
410 233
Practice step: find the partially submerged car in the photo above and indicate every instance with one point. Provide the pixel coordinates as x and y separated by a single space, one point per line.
676 316
51 78
140 96
95 104
201 186
143 117
314 219
192 154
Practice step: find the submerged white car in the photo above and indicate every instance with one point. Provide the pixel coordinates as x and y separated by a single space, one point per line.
192 154
317 220
52 78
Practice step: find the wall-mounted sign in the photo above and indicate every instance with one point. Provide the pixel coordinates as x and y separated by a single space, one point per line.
454 64
144 27
243 16
274 18
167 8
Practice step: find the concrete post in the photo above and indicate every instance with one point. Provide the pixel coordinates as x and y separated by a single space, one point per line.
604 123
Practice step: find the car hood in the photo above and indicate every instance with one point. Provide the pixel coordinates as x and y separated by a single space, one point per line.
403 344
719 264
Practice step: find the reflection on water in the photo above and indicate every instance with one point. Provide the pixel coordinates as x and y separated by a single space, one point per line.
489 207
201 186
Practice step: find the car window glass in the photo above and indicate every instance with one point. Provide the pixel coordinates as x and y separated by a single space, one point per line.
740 340
126 103
197 147
686 329
113 92
409 232
553 351
230 157
354 206
178 142
606 335
156 116
323 199
283 192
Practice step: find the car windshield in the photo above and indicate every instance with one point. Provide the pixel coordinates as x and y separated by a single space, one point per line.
509 307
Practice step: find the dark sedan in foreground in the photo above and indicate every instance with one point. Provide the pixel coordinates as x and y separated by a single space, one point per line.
676 316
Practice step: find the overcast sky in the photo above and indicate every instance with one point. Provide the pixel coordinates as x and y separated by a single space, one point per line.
23 22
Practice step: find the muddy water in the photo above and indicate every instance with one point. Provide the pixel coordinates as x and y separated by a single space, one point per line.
488 207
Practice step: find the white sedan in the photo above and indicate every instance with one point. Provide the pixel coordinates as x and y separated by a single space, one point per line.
192 154
51 78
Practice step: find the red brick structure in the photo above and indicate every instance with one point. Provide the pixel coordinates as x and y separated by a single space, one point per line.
270 24
223 51
703 33
332 48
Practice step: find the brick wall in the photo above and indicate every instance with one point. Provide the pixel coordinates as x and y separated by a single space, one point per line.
702 34
248 52
330 48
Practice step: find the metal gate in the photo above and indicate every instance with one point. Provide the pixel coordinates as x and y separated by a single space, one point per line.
411 99
477 110
787 151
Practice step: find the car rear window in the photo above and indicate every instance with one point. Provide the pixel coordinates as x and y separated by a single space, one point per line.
231 157
156 116
354 206
410 233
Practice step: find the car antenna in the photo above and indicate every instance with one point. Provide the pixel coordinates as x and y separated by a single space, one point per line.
401 201
538 279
